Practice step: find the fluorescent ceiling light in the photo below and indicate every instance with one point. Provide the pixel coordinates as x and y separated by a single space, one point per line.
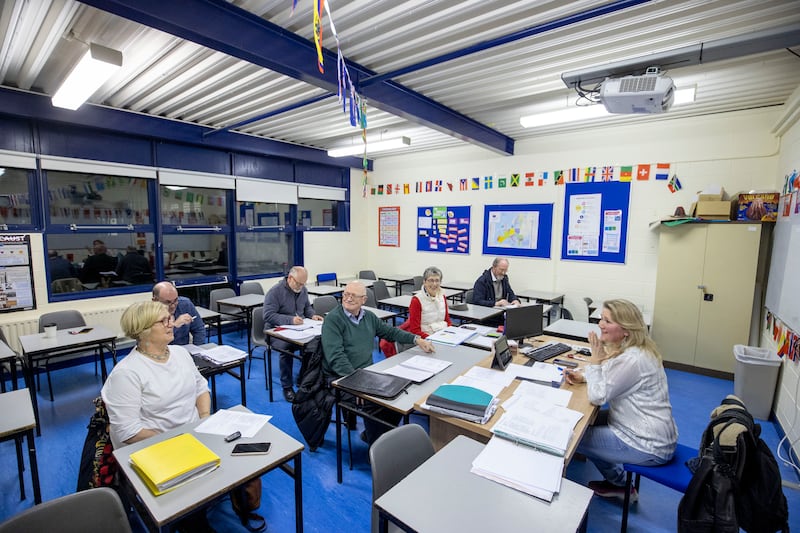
577 113
376 146
174 187
92 71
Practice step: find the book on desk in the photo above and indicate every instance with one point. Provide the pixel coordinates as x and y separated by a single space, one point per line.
462 401
418 368
168 464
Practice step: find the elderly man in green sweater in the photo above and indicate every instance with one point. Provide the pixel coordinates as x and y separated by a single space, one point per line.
348 337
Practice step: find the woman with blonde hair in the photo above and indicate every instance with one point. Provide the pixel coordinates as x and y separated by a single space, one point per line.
627 373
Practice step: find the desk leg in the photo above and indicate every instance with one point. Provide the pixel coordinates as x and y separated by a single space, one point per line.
213 393
268 377
219 330
338 395
298 493
242 384
27 372
103 368
20 465
37 493
383 523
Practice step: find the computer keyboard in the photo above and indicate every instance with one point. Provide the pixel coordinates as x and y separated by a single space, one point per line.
546 352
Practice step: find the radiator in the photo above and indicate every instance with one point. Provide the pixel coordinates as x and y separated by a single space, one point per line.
103 317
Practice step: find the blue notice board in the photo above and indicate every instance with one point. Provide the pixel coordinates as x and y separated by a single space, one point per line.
443 229
596 221
522 230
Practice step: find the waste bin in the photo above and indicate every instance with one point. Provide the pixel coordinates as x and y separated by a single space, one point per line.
755 377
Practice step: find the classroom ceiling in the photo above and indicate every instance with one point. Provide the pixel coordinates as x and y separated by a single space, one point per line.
449 73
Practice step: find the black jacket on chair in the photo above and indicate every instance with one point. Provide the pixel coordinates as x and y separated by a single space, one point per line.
313 403
483 290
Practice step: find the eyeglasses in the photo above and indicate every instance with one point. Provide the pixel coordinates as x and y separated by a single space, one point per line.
166 321
433 280
169 302
297 281
351 296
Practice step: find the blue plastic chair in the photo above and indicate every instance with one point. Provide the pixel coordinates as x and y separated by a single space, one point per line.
674 474
326 278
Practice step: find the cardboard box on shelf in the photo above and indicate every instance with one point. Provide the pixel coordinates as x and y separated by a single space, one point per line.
761 206
714 209
711 194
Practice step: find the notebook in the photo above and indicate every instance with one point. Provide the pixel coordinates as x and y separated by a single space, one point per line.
170 463
374 383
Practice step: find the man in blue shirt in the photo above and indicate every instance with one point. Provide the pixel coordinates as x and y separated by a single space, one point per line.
187 319
287 303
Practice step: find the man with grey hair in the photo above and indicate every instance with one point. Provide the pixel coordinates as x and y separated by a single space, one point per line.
284 304
183 311
493 288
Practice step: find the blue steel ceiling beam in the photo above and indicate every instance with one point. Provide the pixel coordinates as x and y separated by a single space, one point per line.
36 106
221 26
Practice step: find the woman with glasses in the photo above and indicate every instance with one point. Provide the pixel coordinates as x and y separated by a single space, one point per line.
427 312
157 386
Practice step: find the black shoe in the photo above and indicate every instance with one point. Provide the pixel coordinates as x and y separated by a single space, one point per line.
363 436
288 395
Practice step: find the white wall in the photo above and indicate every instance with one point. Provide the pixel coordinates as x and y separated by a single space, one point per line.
735 149
787 404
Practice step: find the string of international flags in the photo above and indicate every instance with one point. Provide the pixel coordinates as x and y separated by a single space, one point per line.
643 172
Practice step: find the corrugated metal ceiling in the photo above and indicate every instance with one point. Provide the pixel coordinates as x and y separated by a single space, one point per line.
168 76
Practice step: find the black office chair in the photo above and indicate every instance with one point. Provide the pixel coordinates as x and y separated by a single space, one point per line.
89 511
589 307
259 340
566 313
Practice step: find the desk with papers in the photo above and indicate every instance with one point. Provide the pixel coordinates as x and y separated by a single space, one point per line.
473 313
213 360
160 512
443 429
297 336
245 303
458 500
461 357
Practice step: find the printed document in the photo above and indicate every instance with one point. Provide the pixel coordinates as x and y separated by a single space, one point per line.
545 427
451 335
226 421
418 368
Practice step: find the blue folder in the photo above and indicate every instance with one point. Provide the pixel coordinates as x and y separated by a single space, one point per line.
461 398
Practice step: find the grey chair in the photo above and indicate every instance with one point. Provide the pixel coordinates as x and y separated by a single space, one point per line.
371 300
251 287
589 307
380 290
66 285
367 274
468 296
417 283
259 340
220 294
393 456
324 304
566 313
89 511
67 319
10 365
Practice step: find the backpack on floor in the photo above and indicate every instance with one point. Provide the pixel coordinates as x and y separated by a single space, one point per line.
736 482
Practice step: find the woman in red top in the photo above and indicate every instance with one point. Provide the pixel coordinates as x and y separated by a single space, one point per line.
427 312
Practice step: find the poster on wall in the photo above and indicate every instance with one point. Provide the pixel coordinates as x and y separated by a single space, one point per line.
443 229
522 230
16 274
596 221
389 226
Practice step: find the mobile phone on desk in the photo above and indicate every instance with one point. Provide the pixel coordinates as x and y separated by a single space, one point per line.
79 331
251 448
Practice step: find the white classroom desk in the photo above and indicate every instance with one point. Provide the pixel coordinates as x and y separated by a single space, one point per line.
443 495
572 329
473 313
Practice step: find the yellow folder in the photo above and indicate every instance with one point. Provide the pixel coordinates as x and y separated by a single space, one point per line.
170 463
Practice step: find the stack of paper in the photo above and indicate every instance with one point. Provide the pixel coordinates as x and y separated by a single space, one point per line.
170 463
521 468
219 355
545 427
543 373
462 401
302 332
418 368
451 335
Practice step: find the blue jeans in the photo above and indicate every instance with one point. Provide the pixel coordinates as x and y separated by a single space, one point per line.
601 446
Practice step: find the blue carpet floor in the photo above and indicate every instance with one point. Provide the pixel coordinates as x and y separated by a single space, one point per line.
327 506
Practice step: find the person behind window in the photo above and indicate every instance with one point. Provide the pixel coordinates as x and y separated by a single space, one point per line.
492 288
427 312
222 259
59 267
98 262
348 336
186 318
284 304
626 372
134 267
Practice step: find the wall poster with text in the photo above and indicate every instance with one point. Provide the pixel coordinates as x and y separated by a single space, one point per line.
16 274
389 226
443 229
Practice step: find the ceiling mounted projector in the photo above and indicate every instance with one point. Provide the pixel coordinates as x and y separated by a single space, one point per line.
651 92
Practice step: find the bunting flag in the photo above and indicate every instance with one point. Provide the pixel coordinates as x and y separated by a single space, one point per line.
607 174
674 184
372 191
558 177
625 173
476 184
437 186
406 188
501 182
462 184
643 172
319 6
428 186
449 186
389 189
380 189
397 188
542 178
418 187
488 182
588 175
529 179
573 175
515 180
662 171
